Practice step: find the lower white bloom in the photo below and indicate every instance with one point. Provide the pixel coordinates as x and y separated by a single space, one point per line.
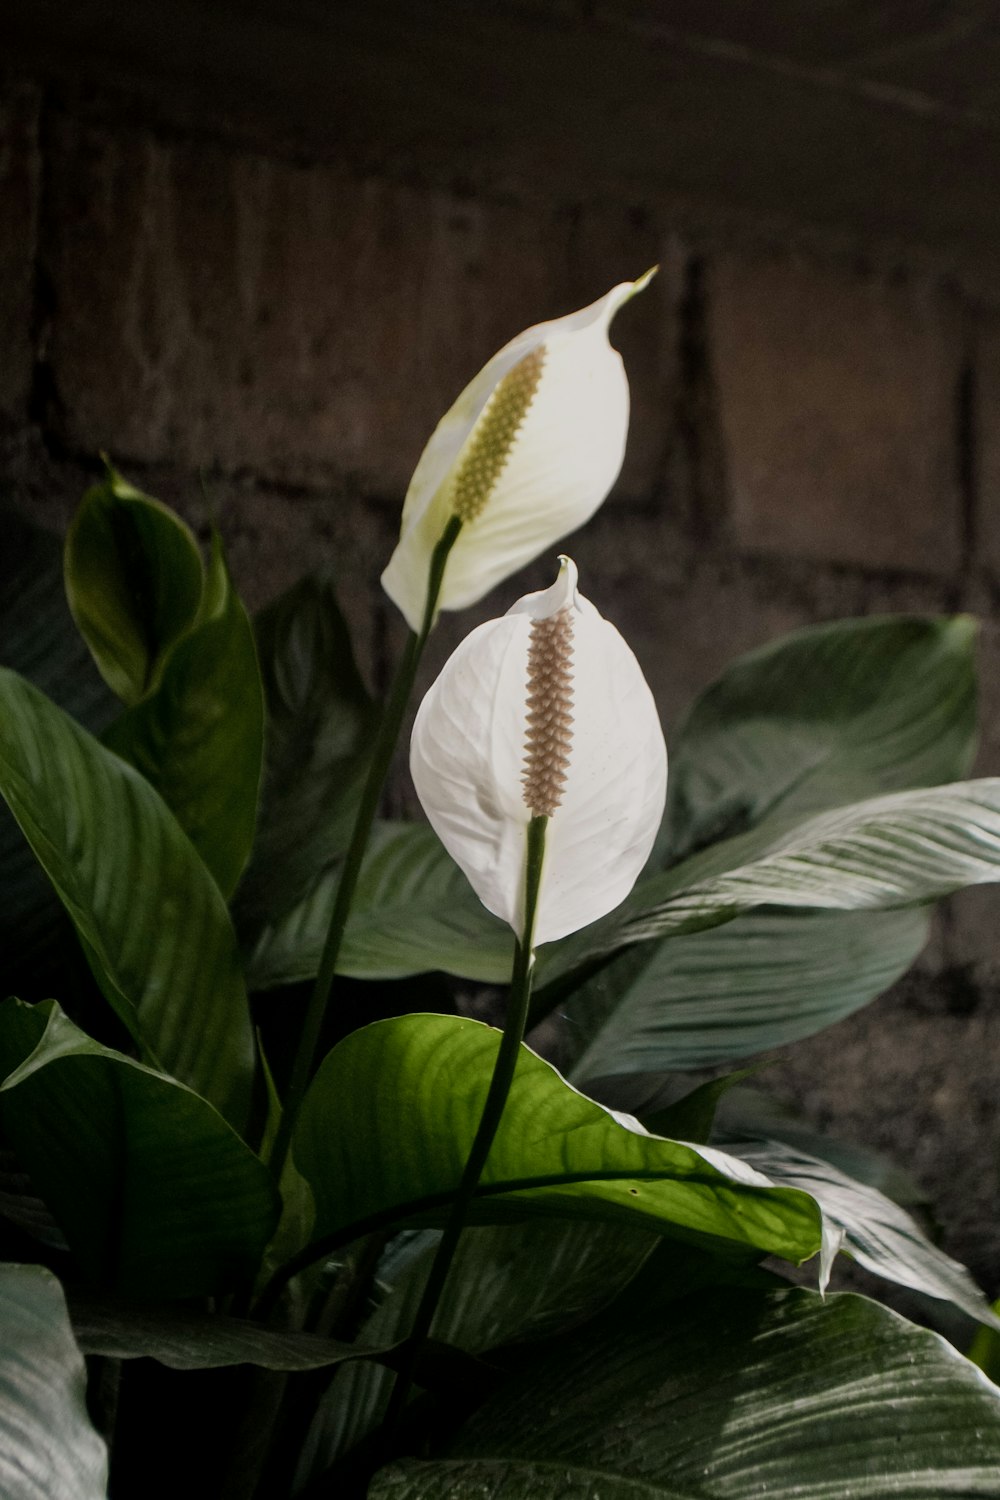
544 713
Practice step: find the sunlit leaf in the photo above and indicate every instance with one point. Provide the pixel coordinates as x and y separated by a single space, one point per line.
389 1120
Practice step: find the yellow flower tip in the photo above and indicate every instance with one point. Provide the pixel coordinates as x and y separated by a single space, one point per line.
494 436
626 290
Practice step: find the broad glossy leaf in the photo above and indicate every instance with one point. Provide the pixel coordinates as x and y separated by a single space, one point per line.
319 724
507 1282
725 1396
48 1448
156 1194
388 1122
185 1340
828 715
899 850
878 1234
152 920
413 911
762 981
198 739
134 582
39 640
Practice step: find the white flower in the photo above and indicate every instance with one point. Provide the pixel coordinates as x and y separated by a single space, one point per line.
526 454
544 712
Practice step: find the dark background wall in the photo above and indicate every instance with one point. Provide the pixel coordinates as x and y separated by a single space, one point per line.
255 250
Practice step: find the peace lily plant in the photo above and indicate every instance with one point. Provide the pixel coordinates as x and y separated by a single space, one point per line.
316 1228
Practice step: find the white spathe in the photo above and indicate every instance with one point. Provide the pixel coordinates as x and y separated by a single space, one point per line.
567 454
468 756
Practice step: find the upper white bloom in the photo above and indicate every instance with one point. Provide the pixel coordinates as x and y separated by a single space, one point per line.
544 712
526 454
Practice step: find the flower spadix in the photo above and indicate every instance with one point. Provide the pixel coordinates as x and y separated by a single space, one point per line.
526 454
543 713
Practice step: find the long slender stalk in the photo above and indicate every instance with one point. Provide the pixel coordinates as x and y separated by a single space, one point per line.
489 1121
382 754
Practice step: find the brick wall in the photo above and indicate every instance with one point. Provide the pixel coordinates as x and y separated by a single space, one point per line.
815 433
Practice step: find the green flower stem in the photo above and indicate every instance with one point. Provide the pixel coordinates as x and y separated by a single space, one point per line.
489 1122
382 753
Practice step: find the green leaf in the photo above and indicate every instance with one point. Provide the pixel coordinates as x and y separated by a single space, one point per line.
832 714
413 911
39 640
556 1154
878 1234
134 582
198 739
691 1117
183 1340
507 1282
156 1194
152 921
894 851
985 1351
320 721
764 980
728 1395
48 1448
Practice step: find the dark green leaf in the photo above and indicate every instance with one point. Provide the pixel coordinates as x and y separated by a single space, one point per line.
729 1395
754 1115
762 981
39 640
507 1282
319 725
152 920
878 1234
156 1194
121 1329
690 1118
832 714
48 1449
134 582
556 1154
198 739
413 911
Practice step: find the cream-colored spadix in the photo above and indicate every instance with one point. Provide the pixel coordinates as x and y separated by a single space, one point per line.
525 456
543 713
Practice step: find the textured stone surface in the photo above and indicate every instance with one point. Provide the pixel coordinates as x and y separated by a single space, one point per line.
19 187
914 1075
987 432
222 307
297 322
838 399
